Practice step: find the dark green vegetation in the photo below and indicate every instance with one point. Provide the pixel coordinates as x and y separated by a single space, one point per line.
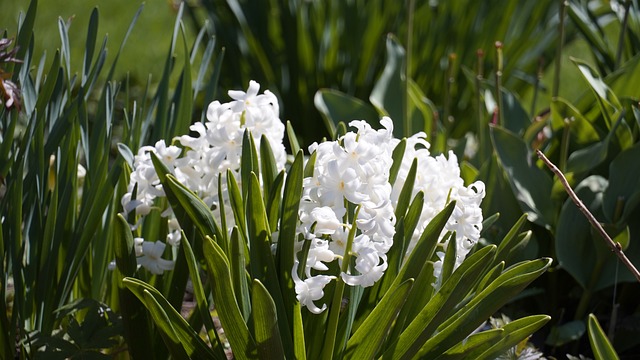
327 65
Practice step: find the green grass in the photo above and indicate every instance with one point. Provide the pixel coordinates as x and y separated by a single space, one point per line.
144 51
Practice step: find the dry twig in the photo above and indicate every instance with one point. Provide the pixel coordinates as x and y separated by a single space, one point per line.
615 246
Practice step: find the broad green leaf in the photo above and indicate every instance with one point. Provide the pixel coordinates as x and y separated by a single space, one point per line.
397 155
511 241
404 199
238 263
269 170
90 44
299 347
488 301
514 332
422 111
439 307
582 131
607 100
124 247
580 250
193 206
202 301
265 323
565 333
369 337
516 119
622 196
530 185
168 319
293 140
237 203
592 32
425 246
288 224
450 256
235 329
474 343
600 345
389 95
165 325
336 106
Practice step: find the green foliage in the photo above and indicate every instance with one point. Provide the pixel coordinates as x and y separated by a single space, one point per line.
65 156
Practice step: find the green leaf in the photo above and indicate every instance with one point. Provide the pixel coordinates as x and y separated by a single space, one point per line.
488 301
512 241
438 308
514 333
293 140
530 185
389 95
235 329
298 334
622 196
473 344
168 319
193 206
124 247
336 106
202 300
565 333
285 252
238 263
369 337
579 249
600 345
582 130
607 100
167 330
265 322
262 263
397 155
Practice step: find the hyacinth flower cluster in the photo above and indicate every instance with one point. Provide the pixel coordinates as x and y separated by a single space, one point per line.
350 188
201 162
347 210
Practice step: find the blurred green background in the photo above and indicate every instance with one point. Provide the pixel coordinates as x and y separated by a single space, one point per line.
146 48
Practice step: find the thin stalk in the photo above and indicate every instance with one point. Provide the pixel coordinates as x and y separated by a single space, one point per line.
556 76
407 76
614 246
481 124
500 119
334 310
449 79
564 145
623 30
536 88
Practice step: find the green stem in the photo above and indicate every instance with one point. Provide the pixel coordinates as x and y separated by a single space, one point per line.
623 30
407 120
536 88
500 119
564 145
449 79
334 309
583 305
481 124
556 77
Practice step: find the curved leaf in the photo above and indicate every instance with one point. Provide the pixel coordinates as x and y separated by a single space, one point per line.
530 185
265 323
235 329
600 345
369 337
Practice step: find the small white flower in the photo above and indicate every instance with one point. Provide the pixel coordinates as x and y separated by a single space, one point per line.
152 258
310 290
325 220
